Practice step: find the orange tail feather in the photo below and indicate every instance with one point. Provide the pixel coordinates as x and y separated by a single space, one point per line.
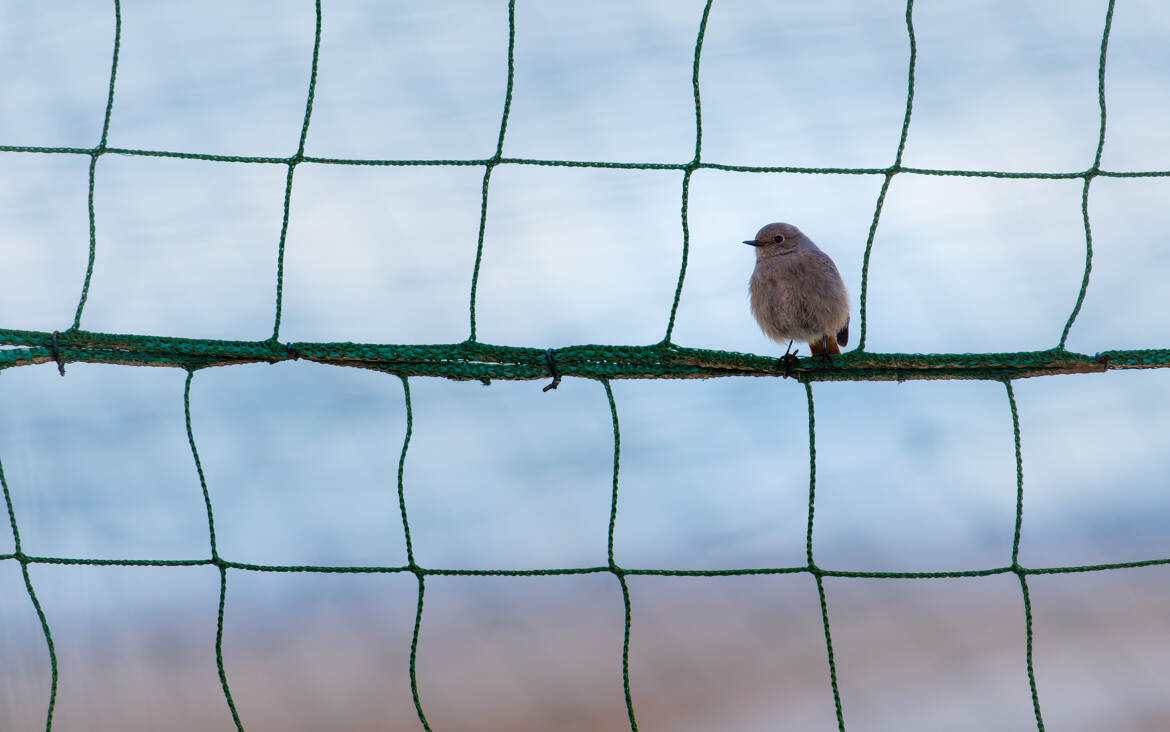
821 345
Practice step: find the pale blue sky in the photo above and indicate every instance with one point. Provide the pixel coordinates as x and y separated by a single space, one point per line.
301 460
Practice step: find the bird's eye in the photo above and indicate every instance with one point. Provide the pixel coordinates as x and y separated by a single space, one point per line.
779 238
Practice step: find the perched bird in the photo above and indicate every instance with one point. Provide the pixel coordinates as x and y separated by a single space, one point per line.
797 292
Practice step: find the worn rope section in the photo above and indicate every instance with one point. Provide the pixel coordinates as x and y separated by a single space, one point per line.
479 361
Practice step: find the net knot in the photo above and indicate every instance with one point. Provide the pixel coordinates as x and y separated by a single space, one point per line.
57 354
552 369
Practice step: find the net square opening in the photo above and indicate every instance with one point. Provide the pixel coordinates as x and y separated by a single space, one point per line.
729 653
804 84
947 503
509 476
605 81
56 60
186 248
301 462
964 265
307 650
508 653
98 463
576 255
1096 459
1100 652
25 673
135 648
424 82
381 254
1137 76
1125 304
729 489
1006 85
931 654
213 76
45 229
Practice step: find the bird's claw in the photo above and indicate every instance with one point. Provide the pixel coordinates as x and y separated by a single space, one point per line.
787 361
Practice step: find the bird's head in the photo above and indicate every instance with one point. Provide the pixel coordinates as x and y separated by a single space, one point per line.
776 239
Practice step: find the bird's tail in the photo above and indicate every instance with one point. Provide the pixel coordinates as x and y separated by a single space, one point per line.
827 344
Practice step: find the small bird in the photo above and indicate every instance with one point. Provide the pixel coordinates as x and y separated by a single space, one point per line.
797 292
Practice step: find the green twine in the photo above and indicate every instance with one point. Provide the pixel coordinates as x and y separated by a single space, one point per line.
474 360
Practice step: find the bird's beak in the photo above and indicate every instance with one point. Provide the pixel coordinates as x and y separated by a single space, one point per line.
751 242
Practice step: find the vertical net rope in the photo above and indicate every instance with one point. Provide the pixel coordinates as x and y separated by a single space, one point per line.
474 360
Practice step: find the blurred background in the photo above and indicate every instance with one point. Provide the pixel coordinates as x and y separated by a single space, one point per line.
301 460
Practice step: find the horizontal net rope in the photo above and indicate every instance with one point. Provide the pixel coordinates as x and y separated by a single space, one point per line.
548 572
609 164
473 360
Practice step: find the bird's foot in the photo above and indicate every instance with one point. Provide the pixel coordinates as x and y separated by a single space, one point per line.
787 361
825 351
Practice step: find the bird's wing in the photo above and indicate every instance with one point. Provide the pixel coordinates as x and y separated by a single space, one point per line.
843 334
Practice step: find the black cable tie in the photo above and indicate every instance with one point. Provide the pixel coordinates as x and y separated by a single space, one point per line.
57 355
552 369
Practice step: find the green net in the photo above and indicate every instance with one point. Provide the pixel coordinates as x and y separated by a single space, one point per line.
473 360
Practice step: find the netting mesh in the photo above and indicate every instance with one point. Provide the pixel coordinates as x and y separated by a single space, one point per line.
472 359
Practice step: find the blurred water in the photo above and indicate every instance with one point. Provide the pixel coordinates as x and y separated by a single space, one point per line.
301 461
